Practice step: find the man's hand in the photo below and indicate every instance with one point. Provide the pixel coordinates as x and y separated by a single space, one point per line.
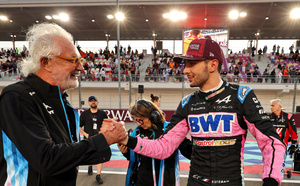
114 134
107 125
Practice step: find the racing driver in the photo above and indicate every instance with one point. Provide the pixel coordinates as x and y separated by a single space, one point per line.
218 116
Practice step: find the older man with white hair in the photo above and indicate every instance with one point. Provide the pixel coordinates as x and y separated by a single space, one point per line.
284 124
39 138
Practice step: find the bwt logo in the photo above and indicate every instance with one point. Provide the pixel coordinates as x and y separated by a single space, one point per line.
211 122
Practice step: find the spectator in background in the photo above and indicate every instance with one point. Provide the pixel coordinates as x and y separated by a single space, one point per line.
255 75
265 49
285 75
155 100
231 69
278 49
266 76
279 75
273 76
236 74
248 76
291 49
259 54
293 75
90 124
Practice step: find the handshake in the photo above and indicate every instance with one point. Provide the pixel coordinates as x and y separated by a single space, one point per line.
114 131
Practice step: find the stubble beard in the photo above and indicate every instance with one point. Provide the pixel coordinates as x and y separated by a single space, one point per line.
66 82
200 79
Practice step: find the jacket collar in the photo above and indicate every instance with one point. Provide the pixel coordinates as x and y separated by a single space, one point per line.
42 86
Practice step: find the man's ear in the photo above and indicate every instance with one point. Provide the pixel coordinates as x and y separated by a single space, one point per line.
44 61
214 65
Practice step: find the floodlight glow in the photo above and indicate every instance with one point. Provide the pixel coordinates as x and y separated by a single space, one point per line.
48 17
233 14
166 15
11 21
37 21
110 16
176 15
243 14
267 18
205 19
3 18
295 13
93 20
55 17
64 17
120 16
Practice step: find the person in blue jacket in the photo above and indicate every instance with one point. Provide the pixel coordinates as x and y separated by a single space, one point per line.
151 124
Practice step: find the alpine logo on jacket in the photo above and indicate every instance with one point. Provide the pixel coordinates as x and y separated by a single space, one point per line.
219 123
226 100
48 108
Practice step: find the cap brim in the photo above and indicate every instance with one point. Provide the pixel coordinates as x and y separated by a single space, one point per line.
181 59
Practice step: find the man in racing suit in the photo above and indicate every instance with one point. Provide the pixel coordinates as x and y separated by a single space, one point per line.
218 116
284 124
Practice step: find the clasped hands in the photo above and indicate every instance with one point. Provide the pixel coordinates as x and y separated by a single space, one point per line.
114 131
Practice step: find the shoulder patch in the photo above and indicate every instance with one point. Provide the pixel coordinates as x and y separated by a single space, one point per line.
243 91
185 100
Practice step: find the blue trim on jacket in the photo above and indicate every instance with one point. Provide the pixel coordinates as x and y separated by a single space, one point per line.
134 158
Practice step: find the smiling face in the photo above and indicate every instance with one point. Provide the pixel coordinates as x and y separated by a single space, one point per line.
197 72
64 73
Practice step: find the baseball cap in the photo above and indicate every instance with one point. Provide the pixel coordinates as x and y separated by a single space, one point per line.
201 49
93 97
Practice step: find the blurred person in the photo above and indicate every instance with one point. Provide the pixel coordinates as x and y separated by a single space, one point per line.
284 124
90 124
279 75
273 76
155 100
145 171
194 34
218 116
265 76
286 74
40 139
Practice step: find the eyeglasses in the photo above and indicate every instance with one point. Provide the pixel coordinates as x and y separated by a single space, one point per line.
141 121
73 60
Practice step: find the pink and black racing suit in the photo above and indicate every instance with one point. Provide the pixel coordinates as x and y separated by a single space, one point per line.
218 122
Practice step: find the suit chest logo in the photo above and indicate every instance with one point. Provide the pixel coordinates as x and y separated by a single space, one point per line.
211 123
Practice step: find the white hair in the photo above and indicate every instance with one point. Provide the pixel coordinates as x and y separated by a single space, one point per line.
278 101
41 38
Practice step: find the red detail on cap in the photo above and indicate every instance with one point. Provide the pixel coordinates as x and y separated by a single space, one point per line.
202 48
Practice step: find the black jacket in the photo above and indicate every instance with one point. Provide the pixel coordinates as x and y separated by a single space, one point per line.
35 140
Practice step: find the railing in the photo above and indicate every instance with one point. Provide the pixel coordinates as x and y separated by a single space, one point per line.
260 79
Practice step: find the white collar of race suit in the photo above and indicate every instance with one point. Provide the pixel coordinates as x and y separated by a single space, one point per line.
213 89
